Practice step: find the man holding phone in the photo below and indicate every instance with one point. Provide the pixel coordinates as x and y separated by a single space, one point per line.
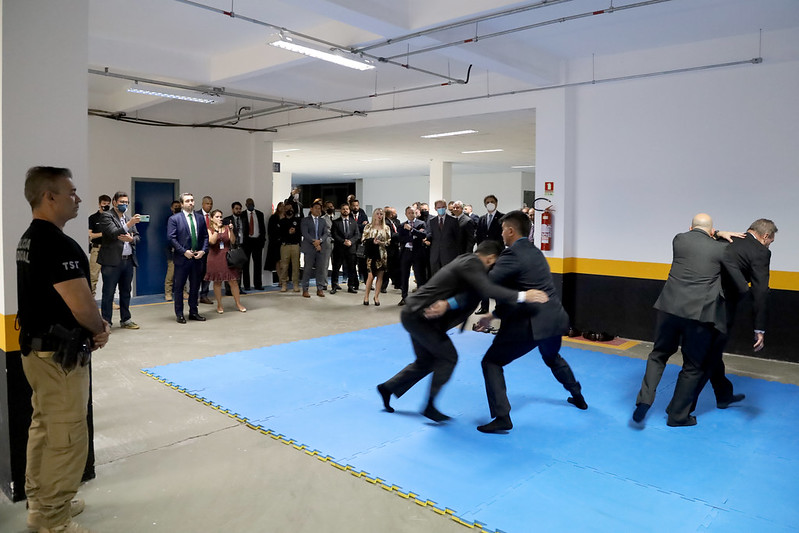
117 258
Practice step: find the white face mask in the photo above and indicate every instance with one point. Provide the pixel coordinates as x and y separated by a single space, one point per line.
296 197
491 207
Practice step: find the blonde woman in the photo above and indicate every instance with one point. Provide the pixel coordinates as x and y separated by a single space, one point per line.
375 237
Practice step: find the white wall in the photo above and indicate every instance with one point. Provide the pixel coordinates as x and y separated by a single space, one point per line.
651 153
224 165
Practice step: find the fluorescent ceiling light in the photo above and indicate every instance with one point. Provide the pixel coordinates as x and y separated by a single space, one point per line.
524 166
324 56
286 150
350 173
377 159
448 134
483 151
175 94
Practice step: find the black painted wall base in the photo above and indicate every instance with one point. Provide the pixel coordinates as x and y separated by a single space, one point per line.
623 307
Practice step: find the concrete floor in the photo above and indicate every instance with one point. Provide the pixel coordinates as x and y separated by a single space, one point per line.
167 463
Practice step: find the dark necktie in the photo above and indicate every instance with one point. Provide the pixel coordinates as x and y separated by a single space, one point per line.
193 232
440 222
346 228
251 225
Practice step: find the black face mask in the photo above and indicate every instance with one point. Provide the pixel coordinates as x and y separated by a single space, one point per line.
331 211
105 207
176 210
424 213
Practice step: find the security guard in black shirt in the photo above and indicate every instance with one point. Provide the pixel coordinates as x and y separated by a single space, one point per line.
60 326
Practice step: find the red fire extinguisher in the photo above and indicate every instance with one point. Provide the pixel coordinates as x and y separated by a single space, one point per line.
546 230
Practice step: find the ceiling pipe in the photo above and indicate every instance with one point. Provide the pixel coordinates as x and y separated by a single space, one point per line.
286 104
559 20
317 40
436 29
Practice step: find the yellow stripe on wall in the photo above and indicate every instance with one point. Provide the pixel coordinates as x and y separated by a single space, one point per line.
781 280
9 336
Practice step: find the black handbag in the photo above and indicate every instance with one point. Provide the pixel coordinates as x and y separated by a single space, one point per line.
360 250
236 258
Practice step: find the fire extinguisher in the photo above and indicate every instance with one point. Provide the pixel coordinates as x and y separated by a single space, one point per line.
546 225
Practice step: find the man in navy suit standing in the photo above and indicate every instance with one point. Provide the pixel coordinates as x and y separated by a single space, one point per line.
443 235
522 266
489 228
188 236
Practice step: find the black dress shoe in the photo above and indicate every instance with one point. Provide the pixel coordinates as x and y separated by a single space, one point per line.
497 425
352 290
640 412
337 286
181 319
196 316
574 332
401 302
578 401
259 288
434 414
690 421
481 311
241 291
333 290
385 394
384 291
731 400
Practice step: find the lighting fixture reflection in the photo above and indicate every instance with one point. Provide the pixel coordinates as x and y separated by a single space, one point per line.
483 151
448 134
319 54
175 94
523 166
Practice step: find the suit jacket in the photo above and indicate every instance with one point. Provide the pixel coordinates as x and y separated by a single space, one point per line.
747 261
361 219
466 234
178 234
443 241
415 235
242 225
465 277
353 234
522 266
693 288
308 234
110 253
259 216
493 232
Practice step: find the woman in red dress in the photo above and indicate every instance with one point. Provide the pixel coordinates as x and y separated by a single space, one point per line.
220 239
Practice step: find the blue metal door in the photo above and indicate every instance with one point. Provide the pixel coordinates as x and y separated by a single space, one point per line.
152 197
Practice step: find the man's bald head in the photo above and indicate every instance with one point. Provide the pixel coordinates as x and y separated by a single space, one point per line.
702 221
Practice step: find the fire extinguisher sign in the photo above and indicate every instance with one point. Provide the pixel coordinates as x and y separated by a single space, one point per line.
549 188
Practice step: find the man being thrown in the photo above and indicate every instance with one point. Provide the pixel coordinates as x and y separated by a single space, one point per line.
442 303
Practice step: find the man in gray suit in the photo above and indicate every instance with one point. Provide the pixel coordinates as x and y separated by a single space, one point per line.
315 246
440 304
691 311
117 258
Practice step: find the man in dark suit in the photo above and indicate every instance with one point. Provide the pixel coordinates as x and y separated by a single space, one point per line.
117 257
205 214
188 236
254 241
412 252
442 303
489 227
442 234
747 262
241 228
362 220
522 266
346 237
690 310
392 250
466 229
314 249
467 208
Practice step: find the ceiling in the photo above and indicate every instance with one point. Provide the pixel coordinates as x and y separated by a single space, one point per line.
321 109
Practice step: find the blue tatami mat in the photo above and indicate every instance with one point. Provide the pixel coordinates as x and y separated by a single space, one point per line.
559 469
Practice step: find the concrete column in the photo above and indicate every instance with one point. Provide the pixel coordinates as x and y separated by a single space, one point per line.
44 92
440 181
262 183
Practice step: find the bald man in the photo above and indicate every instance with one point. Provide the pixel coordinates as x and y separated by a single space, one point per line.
690 313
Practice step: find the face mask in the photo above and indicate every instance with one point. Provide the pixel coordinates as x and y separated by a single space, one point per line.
122 207
441 211
424 213
491 207
331 211
296 197
250 207
105 207
289 214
